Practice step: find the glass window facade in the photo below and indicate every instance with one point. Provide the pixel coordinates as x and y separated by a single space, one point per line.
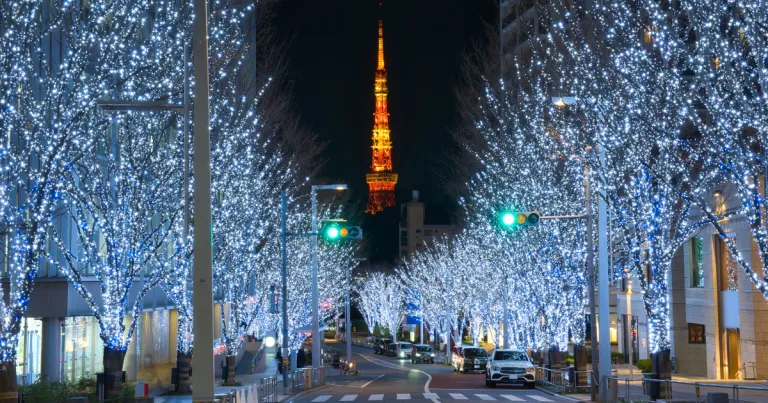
28 351
696 269
82 348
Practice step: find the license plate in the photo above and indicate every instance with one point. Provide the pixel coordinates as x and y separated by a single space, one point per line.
477 366
513 377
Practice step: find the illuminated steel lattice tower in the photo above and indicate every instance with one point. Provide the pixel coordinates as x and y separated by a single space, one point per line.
381 180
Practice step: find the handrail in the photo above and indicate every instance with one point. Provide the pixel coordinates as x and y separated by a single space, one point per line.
257 358
733 390
268 389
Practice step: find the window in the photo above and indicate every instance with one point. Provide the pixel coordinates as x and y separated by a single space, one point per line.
649 32
418 231
696 334
696 269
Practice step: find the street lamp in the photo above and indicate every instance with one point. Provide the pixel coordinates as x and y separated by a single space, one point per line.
603 356
149 106
316 355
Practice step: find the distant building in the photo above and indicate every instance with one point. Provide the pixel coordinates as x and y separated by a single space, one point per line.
413 233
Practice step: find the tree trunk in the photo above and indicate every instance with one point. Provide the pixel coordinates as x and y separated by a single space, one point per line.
8 389
113 365
183 363
231 369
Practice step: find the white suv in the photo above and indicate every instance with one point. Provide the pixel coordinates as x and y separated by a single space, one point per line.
510 366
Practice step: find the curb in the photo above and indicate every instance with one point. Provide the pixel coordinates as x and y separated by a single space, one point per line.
571 399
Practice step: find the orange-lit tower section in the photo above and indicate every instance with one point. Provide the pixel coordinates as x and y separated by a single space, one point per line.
381 180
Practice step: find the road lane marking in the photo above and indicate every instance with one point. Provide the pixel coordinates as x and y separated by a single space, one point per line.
348 398
402 368
482 396
403 396
322 398
431 396
369 382
512 398
376 397
458 396
540 398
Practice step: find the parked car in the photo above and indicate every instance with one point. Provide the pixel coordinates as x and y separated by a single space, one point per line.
400 349
422 353
380 345
510 366
469 359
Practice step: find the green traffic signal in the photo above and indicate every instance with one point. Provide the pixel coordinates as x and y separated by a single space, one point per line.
525 218
332 232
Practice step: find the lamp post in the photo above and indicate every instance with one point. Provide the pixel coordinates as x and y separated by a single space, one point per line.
149 106
603 355
202 288
316 355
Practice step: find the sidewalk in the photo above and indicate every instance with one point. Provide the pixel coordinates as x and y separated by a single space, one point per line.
685 392
269 366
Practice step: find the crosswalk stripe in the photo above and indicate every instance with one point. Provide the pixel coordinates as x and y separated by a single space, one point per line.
540 398
348 398
458 396
431 396
322 398
484 397
403 396
376 397
512 398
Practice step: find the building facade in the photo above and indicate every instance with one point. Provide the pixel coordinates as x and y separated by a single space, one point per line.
414 234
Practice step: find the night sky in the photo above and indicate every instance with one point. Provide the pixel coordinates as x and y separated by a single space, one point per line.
331 70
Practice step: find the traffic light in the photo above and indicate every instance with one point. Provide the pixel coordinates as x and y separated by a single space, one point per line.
520 218
337 232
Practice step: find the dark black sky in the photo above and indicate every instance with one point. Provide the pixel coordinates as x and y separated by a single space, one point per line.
332 63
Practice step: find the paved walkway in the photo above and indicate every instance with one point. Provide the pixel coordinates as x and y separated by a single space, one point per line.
688 392
247 380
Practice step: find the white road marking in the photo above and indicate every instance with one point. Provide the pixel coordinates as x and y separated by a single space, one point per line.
369 382
512 398
540 398
484 397
322 398
348 398
400 367
403 396
458 396
376 397
431 396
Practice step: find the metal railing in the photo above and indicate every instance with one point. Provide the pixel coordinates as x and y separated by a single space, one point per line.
648 389
362 343
568 379
308 378
267 390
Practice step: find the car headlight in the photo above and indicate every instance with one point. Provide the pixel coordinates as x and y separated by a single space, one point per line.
418 355
432 355
494 368
402 354
530 369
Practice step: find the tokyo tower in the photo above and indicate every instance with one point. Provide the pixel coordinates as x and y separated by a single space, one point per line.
381 180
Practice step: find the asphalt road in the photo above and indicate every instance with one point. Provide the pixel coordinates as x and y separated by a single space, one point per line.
386 379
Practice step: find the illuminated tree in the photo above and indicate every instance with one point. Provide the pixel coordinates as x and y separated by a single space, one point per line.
49 115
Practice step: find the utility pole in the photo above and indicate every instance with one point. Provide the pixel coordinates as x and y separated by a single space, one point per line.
202 298
591 287
283 237
316 340
603 274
